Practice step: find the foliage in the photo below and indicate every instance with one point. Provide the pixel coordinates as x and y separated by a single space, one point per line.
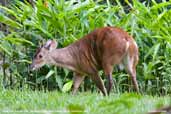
67 21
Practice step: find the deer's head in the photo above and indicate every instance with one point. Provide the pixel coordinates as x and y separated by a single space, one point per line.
42 54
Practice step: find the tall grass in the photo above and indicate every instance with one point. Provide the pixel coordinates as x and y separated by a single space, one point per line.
67 21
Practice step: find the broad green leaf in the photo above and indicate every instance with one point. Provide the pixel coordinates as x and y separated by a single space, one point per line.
67 86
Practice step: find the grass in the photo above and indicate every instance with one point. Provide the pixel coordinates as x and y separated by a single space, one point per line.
67 21
89 103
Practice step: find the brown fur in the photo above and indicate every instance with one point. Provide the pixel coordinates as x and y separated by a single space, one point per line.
98 50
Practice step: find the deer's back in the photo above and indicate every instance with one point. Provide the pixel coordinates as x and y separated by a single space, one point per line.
102 46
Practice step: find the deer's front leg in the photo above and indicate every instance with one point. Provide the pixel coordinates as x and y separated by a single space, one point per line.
77 79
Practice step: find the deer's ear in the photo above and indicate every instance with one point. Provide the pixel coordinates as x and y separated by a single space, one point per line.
51 45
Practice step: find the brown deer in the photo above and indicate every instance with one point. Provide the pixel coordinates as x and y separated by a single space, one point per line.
101 49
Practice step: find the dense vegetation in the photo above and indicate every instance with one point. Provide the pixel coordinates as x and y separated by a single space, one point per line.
24 27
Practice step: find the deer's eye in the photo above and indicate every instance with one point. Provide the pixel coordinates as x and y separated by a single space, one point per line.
40 56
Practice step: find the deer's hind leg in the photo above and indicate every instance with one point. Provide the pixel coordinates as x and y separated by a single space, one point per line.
130 62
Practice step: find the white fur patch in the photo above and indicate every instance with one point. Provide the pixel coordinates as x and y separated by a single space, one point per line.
127 45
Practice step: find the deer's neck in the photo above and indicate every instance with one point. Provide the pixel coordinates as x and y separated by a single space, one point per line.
62 57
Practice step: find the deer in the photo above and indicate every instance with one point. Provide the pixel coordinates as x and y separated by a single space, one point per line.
101 49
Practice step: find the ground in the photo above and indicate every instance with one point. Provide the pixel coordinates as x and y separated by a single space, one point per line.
38 102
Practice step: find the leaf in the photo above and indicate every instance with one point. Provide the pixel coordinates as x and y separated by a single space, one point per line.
66 71
40 79
156 49
50 73
59 81
153 51
9 11
2 34
67 86
160 5
19 41
24 61
6 47
4 19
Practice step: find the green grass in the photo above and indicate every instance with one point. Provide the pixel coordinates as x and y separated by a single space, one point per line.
89 103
